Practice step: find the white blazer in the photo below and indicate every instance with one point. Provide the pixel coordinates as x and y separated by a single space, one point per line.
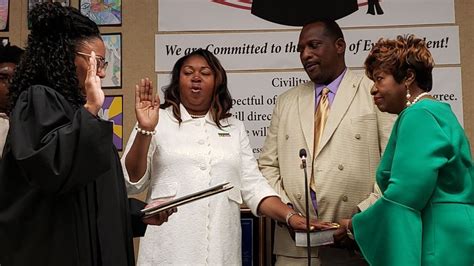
187 157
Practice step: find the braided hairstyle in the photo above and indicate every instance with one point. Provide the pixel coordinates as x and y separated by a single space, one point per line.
56 33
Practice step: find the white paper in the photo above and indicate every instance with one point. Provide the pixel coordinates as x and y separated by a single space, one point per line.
316 238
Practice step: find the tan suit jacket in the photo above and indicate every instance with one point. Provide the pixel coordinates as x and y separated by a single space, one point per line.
354 136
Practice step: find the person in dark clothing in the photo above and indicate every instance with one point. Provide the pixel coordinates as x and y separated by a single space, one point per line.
62 193
9 57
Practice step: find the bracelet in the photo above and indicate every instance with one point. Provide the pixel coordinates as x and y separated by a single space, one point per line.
145 132
289 215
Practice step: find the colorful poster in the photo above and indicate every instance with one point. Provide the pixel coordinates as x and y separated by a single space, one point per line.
236 14
113 56
4 14
112 110
102 12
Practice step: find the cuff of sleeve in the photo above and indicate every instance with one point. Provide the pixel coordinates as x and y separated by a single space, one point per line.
136 187
364 205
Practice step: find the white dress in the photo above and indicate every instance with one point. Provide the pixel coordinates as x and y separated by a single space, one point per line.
189 157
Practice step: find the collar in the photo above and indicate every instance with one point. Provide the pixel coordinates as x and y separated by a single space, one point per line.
333 86
186 117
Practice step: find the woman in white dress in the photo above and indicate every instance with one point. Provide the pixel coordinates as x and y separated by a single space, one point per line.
197 144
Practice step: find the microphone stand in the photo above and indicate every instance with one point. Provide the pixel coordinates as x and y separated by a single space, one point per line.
303 165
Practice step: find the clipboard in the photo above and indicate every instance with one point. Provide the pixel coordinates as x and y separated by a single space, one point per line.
150 211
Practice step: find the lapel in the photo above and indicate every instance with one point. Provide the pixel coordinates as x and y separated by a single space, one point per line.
306 113
344 96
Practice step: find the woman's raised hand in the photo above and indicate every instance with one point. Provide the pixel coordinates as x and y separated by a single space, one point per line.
146 105
94 93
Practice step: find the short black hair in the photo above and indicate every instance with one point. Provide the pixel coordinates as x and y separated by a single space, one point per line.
10 53
331 27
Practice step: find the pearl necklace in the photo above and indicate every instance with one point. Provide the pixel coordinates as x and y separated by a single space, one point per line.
197 116
419 97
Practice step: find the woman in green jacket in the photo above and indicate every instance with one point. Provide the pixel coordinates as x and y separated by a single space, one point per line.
426 213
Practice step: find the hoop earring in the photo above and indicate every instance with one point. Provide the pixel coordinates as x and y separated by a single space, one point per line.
408 96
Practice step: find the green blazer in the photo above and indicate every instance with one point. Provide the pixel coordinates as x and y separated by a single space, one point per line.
426 213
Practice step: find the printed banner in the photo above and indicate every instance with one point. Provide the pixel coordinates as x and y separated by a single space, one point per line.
204 15
277 50
254 95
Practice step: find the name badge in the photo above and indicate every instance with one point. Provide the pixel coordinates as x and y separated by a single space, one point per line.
223 134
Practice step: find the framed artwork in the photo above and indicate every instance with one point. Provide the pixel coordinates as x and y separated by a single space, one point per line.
4 10
113 55
33 3
253 238
112 110
103 12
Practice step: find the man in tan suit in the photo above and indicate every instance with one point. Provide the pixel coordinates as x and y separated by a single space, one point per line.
347 155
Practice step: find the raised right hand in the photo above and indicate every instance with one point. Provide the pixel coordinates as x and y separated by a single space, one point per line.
146 105
94 93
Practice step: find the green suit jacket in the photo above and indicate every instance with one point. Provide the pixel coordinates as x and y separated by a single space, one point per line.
426 213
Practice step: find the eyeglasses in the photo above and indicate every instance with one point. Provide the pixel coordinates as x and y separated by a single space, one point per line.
5 79
6 75
101 63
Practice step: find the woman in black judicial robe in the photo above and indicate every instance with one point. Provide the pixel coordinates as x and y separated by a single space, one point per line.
62 192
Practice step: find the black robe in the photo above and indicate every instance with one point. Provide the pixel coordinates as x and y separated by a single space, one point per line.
62 193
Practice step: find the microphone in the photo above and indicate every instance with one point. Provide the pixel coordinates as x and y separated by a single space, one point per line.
303 156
